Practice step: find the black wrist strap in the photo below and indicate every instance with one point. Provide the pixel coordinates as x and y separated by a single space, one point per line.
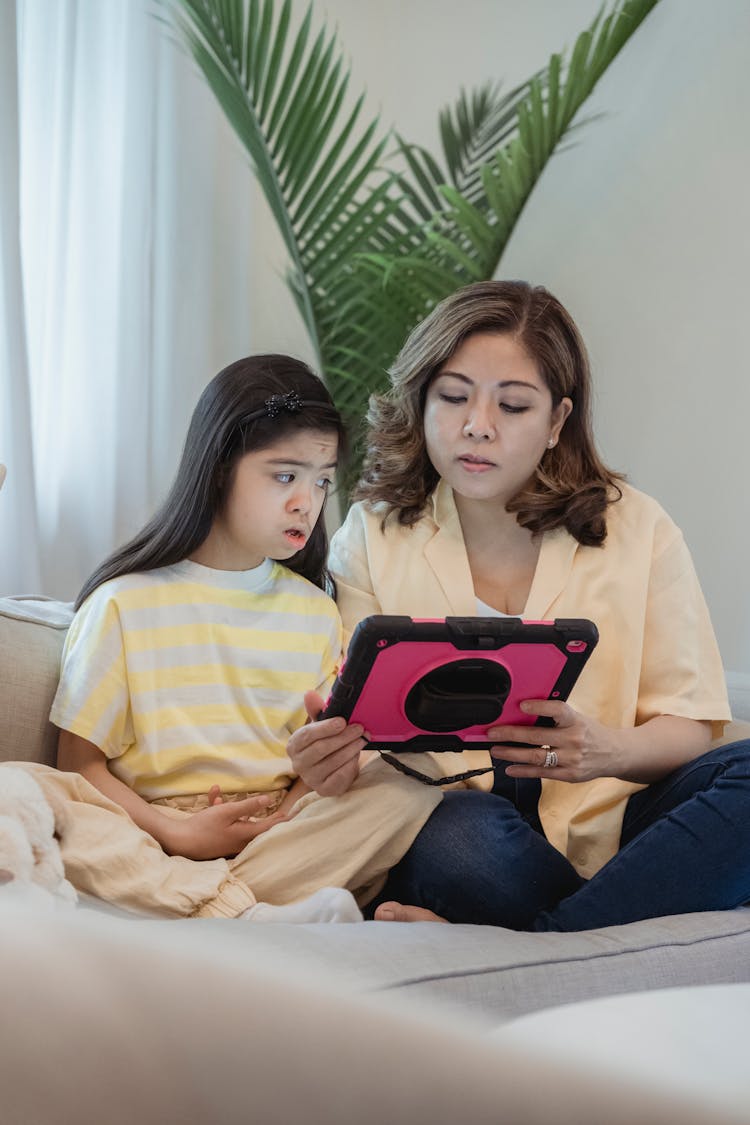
425 778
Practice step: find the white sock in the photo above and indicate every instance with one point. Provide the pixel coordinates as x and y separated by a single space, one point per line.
329 904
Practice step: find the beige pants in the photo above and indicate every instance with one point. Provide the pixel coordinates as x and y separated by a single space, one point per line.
348 841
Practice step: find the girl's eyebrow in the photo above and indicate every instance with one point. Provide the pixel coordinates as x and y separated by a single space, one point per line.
500 383
300 464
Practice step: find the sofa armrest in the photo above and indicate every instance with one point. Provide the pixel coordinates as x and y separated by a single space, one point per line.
32 633
735 731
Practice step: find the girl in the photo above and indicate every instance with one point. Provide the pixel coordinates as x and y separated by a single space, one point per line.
483 493
183 679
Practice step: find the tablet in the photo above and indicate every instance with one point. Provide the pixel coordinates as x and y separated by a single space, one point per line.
422 684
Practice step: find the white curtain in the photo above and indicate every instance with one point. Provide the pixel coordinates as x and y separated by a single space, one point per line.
19 558
118 300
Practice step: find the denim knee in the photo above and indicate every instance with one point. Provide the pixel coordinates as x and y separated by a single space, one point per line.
727 765
478 860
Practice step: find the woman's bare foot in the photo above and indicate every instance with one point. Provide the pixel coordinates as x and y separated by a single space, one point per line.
396 912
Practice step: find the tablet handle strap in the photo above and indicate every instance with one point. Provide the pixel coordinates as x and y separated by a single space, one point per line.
392 760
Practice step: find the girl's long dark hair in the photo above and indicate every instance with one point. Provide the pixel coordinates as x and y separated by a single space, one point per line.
229 420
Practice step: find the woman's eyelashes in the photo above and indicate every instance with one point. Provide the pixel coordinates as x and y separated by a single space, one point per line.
506 407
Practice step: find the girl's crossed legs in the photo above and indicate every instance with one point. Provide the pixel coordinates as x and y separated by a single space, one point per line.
348 841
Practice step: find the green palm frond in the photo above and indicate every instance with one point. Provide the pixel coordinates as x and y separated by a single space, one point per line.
283 90
466 234
374 241
473 130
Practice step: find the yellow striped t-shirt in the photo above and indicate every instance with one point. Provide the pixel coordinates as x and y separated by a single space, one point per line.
187 677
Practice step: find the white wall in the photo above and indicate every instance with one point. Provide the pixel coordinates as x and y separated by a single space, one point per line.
641 228
643 231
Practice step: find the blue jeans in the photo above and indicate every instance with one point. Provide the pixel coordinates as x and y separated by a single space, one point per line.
684 847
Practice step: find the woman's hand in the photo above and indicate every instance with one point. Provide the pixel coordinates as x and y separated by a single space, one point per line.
325 753
220 831
585 748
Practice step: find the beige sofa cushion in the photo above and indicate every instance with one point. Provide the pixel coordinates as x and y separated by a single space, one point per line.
109 1020
32 631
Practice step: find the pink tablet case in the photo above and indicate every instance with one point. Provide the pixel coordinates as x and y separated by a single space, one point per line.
418 684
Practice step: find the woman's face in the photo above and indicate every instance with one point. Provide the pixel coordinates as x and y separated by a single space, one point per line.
489 418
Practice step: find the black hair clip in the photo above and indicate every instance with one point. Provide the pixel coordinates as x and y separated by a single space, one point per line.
276 403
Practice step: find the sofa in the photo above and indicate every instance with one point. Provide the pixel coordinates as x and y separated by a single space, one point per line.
437 1006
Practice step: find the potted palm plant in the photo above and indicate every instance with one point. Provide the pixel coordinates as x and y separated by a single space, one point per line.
377 230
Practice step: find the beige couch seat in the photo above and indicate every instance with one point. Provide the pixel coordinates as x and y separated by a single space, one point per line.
112 1021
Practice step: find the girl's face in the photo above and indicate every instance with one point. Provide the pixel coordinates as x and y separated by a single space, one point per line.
489 417
273 501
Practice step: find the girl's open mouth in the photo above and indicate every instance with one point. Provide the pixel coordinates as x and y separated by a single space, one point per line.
295 537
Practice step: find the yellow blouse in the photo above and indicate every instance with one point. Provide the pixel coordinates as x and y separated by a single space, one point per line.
657 653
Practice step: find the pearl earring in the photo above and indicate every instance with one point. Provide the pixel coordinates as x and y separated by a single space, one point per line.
551 443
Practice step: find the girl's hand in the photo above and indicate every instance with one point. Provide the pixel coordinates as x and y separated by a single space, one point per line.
220 831
325 753
585 748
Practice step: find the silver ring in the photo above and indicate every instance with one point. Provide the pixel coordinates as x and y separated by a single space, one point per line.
550 760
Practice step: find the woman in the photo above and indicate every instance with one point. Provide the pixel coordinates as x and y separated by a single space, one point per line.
483 493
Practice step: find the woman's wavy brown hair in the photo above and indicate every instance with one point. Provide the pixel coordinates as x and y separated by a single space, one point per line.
571 488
